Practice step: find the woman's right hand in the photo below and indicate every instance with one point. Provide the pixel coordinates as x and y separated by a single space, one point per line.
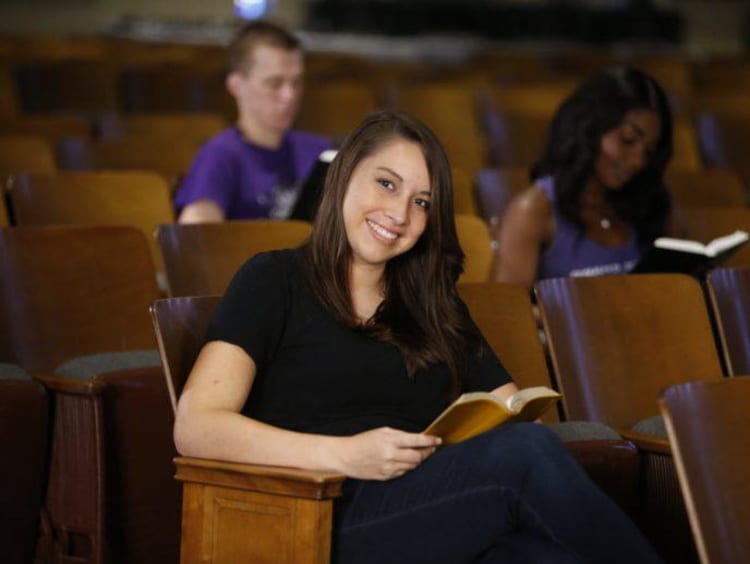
383 453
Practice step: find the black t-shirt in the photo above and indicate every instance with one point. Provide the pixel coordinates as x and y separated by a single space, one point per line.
315 375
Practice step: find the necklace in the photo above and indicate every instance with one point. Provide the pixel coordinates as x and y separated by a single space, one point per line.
605 223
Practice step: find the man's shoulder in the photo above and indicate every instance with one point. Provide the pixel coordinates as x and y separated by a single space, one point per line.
309 140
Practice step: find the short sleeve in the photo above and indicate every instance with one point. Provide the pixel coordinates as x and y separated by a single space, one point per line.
253 310
211 177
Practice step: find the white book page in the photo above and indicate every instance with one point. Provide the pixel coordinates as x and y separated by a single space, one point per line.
683 245
727 242
711 249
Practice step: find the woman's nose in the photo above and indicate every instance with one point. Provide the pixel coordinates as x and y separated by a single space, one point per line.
398 210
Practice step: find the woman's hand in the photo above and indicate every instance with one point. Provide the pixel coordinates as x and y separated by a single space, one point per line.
383 453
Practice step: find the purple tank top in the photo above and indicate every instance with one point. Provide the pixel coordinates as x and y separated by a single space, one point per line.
571 253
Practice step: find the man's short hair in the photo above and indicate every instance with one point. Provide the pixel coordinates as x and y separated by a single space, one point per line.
259 32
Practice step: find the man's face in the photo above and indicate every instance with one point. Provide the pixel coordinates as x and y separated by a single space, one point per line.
268 89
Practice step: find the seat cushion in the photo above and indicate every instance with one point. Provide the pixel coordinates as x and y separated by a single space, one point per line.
91 365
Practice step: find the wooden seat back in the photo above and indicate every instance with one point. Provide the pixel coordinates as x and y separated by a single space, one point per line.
474 238
137 198
616 341
200 259
72 291
707 422
504 315
729 295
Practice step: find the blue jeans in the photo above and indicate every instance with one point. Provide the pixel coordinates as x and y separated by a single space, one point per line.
513 494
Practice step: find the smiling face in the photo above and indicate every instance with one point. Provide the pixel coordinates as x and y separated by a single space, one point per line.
387 202
625 150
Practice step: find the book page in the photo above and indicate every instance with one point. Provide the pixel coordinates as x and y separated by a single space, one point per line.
721 244
530 404
684 245
711 249
469 415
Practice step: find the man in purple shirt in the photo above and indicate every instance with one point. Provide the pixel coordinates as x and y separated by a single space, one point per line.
253 169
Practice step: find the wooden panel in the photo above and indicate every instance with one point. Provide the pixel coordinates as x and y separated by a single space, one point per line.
201 258
616 341
474 238
504 315
705 421
234 523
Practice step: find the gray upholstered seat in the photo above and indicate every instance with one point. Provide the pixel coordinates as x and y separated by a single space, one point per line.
12 372
91 365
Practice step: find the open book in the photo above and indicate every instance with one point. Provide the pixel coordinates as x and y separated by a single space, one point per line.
477 412
689 257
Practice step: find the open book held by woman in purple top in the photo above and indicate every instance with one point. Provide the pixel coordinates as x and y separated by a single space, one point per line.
254 169
598 198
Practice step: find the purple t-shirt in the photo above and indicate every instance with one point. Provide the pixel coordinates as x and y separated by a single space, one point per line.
247 181
571 253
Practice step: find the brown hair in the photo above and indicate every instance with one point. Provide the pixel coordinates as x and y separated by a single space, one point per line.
420 313
255 33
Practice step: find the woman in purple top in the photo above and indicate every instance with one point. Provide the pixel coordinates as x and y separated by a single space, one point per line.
598 197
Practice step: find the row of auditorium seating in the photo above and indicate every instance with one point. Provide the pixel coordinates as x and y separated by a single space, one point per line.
496 116
167 142
504 313
616 338
709 204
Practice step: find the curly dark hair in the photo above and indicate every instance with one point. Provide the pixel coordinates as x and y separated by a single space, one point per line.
574 136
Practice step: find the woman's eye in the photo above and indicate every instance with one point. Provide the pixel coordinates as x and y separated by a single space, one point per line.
422 203
387 184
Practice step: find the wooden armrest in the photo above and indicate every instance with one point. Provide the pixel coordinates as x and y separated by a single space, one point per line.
277 480
647 443
63 384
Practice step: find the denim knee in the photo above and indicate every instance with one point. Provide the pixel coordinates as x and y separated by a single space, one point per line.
522 438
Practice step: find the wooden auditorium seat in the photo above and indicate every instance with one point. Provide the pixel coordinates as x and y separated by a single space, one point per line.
707 422
729 296
140 199
75 309
24 439
476 242
614 342
25 153
724 140
169 157
72 85
176 86
505 316
705 188
515 139
240 512
201 258
52 127
4 218
10 105
450 108
195 127
495 188
685 146
539 98
334 107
